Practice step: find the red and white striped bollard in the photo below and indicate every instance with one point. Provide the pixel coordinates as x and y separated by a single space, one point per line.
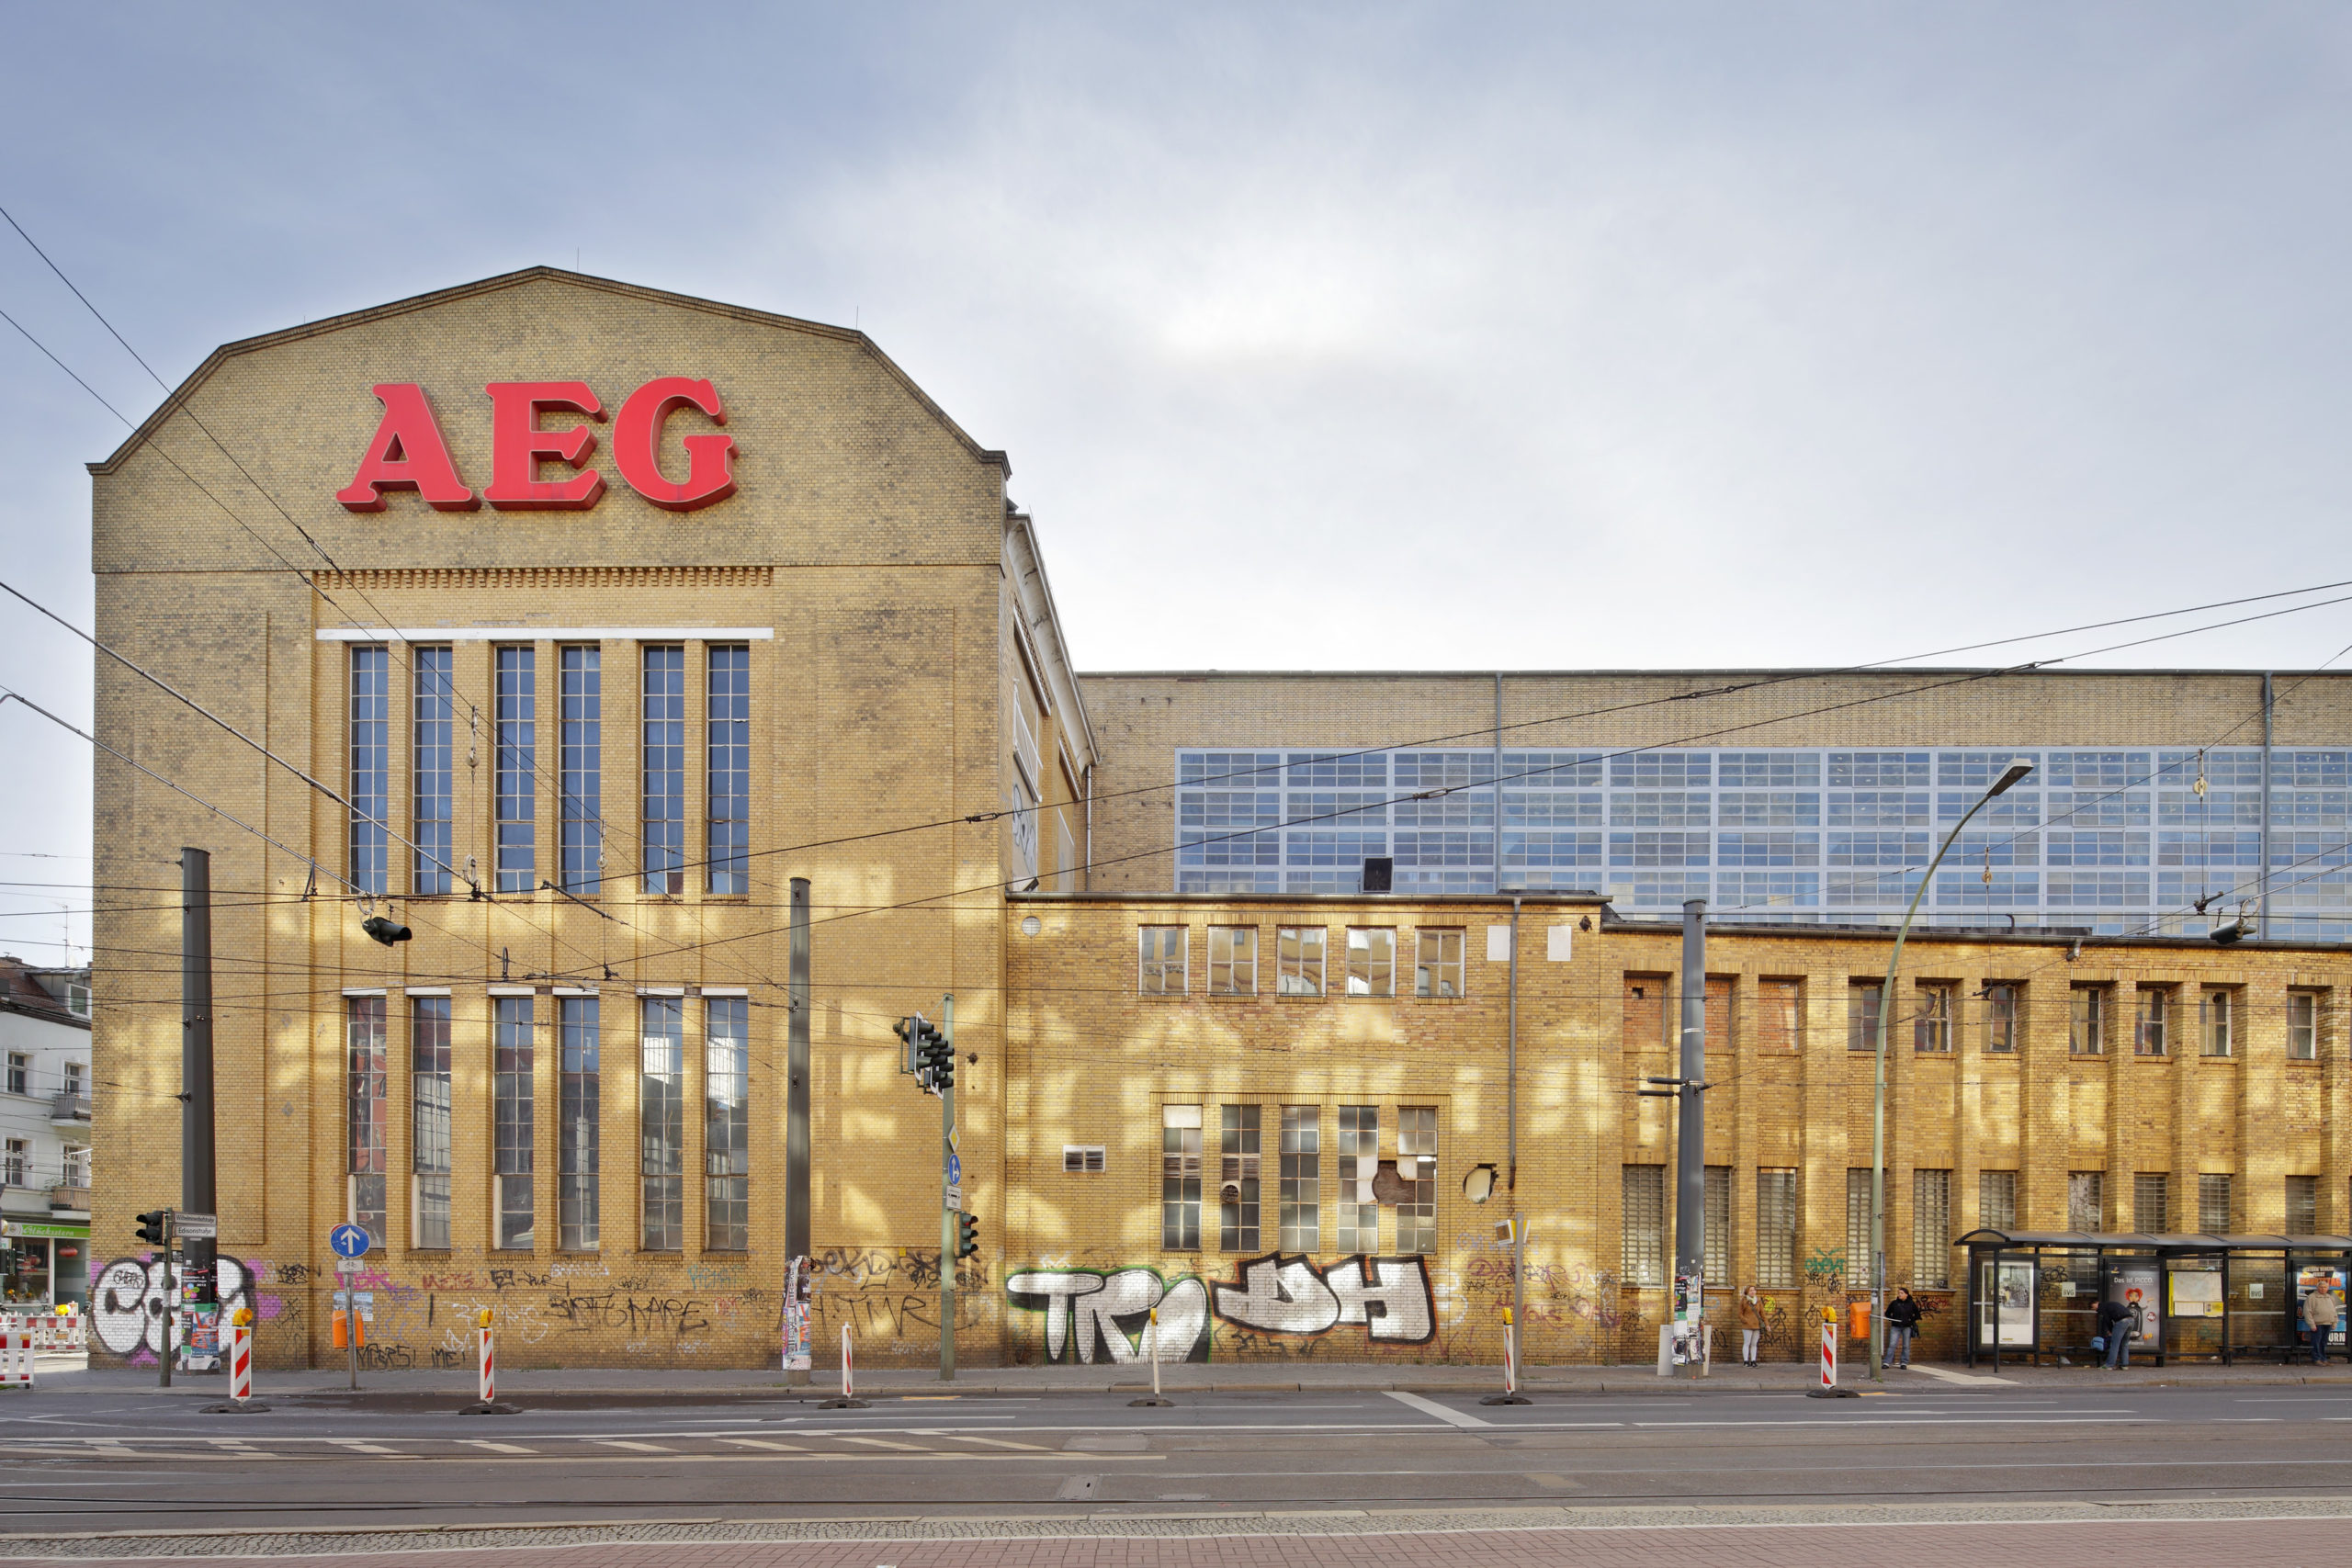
489 1356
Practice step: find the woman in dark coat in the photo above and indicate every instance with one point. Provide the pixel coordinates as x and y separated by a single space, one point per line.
1902 1321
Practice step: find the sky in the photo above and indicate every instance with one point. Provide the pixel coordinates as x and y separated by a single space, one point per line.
1351 337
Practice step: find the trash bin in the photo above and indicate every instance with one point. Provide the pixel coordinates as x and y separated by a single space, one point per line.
1857 1321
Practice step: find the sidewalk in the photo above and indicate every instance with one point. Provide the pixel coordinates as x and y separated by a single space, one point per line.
663 1387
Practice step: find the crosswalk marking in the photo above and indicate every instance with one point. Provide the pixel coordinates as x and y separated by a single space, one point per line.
496 1447
640 1448
357 1446
884 1443
996 1442
763 1443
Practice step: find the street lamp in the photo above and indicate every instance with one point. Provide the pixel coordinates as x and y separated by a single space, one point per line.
2017 770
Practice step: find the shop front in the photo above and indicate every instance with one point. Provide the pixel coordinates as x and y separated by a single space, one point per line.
43 1263
2036 1294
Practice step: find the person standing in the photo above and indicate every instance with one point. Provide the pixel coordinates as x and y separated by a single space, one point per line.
1751 1324
2115 1322
1901 1323
2319 1318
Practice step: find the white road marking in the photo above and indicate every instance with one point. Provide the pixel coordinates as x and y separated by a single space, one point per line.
1943 1376
640 1448
1431 1407
763 1443
496 1447
356 1445
995 1442
883 1443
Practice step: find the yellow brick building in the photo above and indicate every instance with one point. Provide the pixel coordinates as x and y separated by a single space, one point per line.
582 738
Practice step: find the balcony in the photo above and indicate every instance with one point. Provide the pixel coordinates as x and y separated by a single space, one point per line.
70 1111
70 1198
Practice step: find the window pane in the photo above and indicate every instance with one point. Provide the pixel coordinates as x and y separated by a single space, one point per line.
2302 1026
1717 1222
511 1123
1180 1178
2152 1202
1417 1165
726 1125
1776 1228
1301 958
2002 1015
2213 1211
665 770
435 807
730 770
1372 961
1437 970
2148 1036
370 1071
662 1123
1931 1234
2086 1021
2218 1021
370 751
429 1118
1644 1224
577 1138
1233 961
517 806
1302 1179
1997 1200
1160 960
1860 1270
1931 1025
1862 1014
584 769
1238 1180
1359 1152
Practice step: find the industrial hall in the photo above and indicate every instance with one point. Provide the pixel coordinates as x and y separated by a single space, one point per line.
556 675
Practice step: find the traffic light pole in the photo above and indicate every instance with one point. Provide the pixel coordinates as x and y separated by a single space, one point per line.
171 1299
947 1236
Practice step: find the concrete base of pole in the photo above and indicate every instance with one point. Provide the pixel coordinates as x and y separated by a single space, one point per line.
236 1408
1506 1399
1831 1394
492 1407
1150 1402
843 1405
799 1377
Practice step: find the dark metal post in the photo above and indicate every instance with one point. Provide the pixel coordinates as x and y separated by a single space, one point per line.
947 1237
198 1256
796 1106
1690 1150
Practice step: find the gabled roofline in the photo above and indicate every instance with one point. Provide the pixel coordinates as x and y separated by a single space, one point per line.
219 356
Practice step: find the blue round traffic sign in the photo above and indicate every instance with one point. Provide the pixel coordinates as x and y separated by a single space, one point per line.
348 1241
955 1170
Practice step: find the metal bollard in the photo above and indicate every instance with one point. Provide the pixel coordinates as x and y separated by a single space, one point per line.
1151 1349
488 1404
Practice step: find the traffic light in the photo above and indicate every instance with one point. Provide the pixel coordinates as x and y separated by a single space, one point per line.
939 1061
152 1227
967 1235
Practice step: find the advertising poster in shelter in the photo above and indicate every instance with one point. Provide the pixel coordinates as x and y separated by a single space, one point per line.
2138 1286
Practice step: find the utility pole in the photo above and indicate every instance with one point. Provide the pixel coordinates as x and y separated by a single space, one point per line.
1690 1149
199 1254
951 1196
797 1238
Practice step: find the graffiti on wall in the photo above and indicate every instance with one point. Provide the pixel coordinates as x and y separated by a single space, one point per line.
129 1298
1091 1312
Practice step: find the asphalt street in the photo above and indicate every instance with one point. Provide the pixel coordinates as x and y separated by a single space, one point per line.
106 1462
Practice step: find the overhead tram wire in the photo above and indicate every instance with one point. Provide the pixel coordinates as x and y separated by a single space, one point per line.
2075 811
605 826
1500 779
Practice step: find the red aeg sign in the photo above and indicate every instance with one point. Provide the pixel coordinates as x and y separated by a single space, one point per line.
408 452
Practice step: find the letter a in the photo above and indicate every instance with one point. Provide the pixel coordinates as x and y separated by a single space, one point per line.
407 454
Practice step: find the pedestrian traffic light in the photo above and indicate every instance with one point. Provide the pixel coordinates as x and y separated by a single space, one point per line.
967 1235
153 1227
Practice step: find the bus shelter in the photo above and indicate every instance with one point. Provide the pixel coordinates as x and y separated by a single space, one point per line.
2035 1295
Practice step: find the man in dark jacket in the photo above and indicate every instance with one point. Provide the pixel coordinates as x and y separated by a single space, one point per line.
2115 1321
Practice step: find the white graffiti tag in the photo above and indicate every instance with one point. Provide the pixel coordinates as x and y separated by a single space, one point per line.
127 1301
1112 1311
1394 1305
1283 1295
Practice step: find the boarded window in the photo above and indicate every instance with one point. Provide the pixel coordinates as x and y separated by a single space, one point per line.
1780 1015
2085 1200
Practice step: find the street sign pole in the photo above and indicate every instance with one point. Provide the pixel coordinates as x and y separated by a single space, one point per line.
171 1298
349 1244
948 1200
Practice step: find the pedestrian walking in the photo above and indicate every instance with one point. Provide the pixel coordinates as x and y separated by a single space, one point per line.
1751 1324
2114 1324
1901 1323
2319 1319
